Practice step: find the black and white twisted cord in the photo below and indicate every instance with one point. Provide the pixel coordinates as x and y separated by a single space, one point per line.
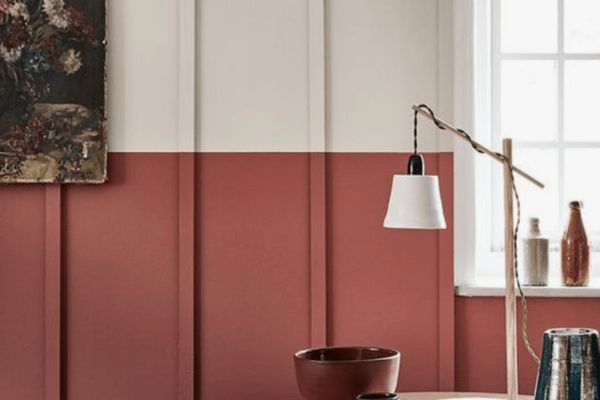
507 162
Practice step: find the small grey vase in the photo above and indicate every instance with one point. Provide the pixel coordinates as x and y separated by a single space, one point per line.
570 365
535 256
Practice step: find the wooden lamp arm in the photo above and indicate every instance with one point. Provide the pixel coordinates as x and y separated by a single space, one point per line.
476 145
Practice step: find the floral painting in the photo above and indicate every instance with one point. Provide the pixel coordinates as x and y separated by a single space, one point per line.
52 91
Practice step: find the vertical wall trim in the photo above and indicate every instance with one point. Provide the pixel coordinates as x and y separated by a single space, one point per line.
187 76
446 380
317 144
186 276
445 93
318 252
187 168
316 75
52 294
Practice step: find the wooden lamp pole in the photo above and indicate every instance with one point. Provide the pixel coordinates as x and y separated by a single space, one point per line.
512 378
512 385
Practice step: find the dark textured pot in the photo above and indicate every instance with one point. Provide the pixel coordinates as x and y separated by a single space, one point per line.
343 373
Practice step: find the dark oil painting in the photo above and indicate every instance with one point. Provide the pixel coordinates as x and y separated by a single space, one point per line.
52 91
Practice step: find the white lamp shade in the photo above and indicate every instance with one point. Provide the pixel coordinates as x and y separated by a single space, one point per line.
415 203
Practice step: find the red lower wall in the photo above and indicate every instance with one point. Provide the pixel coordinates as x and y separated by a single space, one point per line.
120 334
480 353
22 292
253 260
383 282
120 256
253 273
254 304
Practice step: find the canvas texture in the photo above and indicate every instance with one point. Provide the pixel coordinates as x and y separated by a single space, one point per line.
53 91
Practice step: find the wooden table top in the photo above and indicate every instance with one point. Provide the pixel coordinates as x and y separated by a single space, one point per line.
455 395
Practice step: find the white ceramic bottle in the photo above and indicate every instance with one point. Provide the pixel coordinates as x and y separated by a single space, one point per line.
535 256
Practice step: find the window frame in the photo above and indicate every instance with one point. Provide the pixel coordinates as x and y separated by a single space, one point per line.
477 181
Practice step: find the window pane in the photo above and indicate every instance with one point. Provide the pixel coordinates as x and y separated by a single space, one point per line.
528 100
580 165
529 26
582 26
582 97
536 202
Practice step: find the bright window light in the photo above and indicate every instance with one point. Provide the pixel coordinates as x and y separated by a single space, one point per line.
544 93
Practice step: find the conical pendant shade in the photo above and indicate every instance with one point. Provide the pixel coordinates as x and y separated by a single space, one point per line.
415 203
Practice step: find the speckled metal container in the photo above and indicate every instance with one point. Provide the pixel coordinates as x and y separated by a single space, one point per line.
570 365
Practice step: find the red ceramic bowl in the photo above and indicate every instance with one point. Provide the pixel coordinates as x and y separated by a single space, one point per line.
342 373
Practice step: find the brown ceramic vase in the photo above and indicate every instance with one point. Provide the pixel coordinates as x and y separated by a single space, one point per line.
342 373
575 250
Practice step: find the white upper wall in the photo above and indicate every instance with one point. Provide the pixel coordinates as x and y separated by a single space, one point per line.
382 59
253 77
252 72
143 73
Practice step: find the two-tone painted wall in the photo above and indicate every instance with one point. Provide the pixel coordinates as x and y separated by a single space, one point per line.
252 148
218 249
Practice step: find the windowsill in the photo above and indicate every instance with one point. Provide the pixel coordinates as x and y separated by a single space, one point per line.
530 291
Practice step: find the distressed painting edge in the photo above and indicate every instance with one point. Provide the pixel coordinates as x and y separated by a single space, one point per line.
97 171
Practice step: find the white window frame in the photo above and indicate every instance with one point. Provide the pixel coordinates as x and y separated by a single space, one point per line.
468 35
477 57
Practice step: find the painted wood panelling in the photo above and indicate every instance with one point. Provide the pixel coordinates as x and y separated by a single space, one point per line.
258 87
121 254
254 252
445 290
255 64
383 283
382 58
318 173
188 352
186 276
318 250
22 293
198 275
253 73
121 262
143 75
53 294
254 301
